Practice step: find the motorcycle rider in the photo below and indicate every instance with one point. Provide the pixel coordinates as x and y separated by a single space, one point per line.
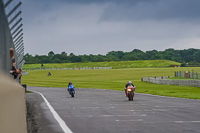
69 85
128 84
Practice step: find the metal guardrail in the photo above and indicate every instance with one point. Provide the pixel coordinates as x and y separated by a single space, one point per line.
83 68
11 35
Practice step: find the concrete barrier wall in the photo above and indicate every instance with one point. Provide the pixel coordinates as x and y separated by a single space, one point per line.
12 106
161 80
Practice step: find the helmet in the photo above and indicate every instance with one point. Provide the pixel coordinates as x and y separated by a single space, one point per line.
129 82
70 83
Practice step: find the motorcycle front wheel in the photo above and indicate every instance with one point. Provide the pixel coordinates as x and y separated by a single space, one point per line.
131 97
72 94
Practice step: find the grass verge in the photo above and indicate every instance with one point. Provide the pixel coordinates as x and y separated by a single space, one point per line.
29 92
113 64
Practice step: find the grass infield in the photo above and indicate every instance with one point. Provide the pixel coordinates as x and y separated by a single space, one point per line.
114 79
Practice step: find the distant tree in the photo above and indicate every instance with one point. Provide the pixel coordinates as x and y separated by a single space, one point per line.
51 54
116 54
44 59
169 54
197 56
190 56
137 54
28 59
63 53
137 51
187 55
71 54
57 61
84 58
73 58
151 55
100 58
129 57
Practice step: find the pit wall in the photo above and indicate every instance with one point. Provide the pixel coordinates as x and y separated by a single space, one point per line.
164 80
12 106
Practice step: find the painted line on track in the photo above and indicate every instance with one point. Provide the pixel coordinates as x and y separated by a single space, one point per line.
60 121
187 121
137 120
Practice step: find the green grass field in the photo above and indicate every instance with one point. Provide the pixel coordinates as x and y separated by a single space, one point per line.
113 64
114 79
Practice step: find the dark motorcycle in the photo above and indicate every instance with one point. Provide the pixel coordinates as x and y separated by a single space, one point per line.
71 90
130 92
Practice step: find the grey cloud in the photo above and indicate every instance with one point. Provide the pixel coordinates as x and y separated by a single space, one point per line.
186 10
74 26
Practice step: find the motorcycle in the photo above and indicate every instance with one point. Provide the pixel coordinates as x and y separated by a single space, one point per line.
71 90
130 92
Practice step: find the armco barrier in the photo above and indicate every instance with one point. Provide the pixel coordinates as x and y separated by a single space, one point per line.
12 106
83 68
163 80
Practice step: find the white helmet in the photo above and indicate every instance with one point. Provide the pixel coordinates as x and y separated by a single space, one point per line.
129 82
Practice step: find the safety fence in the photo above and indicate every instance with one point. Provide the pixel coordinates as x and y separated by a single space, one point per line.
187 74
164 80
11 35
83 68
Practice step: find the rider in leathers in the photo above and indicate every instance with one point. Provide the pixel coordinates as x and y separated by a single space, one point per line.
70 84
128 84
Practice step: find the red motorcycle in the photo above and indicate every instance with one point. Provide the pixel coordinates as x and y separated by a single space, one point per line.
130 92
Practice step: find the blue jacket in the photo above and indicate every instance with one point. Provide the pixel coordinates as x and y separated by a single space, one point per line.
71 87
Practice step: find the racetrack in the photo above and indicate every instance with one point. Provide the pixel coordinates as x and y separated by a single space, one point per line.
108 111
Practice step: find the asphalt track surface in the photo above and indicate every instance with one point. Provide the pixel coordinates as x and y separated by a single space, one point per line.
108 111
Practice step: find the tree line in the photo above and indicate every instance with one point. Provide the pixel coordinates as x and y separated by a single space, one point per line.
191 56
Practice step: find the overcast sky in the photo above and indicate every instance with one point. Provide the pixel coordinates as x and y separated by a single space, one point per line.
99 26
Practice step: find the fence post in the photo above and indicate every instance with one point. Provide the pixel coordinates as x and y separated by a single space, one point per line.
192 74
196 75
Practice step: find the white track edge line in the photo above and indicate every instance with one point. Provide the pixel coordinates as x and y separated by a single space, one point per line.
60 121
